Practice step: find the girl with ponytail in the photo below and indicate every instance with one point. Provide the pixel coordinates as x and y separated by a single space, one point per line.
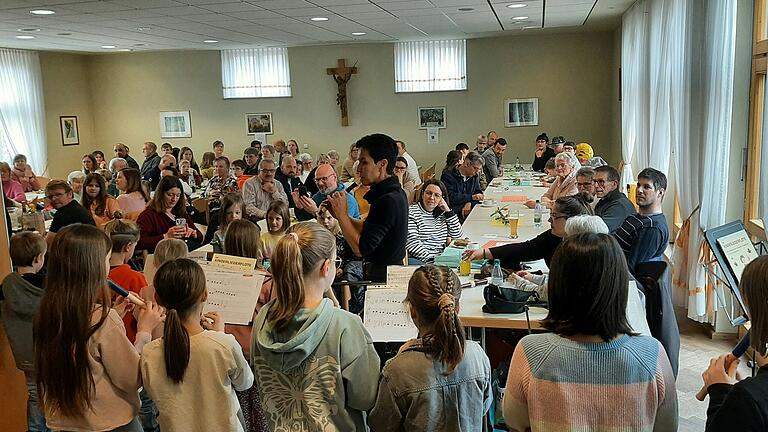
439 381
193 371
302 343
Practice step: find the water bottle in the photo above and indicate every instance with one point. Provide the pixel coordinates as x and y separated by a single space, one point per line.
537 214
497 276
518 166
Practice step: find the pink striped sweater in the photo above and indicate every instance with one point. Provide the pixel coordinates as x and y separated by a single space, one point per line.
556 384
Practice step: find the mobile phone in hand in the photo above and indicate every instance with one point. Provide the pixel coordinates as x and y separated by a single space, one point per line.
181 222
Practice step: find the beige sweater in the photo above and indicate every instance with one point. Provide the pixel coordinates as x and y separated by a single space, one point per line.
115 369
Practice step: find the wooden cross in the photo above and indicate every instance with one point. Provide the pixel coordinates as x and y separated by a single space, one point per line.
342 74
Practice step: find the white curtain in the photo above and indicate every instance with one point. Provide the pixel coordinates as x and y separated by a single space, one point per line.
22 114
701 162
255 73
430 66
634 109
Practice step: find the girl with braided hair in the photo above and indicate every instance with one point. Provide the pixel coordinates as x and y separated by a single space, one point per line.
440 380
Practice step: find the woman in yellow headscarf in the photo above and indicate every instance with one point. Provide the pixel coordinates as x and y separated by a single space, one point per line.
586 156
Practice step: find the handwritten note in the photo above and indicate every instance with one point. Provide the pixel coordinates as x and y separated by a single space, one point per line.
386 317
233 294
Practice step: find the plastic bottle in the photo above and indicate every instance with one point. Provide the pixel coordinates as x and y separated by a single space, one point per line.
538 211
497 276
518 166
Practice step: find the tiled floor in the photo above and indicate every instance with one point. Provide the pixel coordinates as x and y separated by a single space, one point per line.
696 349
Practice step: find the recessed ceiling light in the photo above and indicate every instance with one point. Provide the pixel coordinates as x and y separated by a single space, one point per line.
29 29
64 34
358 33
516 5
519 18
465 9
210 41
25 37
42 12
319 19
108 46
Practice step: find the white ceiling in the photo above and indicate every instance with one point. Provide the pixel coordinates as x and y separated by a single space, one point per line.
85 26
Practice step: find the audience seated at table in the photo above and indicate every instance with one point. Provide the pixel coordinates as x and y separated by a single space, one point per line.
493 158
549 170
76 179
22 173
102 206
413 168
68 210
613 206
407 182
542 154
542 246
463 185
566 167
584 183
347 168
569 147
11 188
262 190
161 219
735 403
132 196
558 380
431 224
188 155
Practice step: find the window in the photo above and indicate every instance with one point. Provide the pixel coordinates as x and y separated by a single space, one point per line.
756 208
425 66
255 73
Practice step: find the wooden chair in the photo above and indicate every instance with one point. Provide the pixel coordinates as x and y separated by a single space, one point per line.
201 205
428 173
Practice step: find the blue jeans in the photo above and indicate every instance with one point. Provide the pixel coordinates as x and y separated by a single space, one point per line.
133 426
413 261
148 413
35 417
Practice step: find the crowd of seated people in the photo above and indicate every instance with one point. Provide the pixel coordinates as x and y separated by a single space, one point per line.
372 210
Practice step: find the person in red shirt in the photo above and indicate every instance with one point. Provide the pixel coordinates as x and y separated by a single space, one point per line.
125 235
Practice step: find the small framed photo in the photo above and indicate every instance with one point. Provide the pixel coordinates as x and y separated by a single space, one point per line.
69 133
175 124
259 123
521 112
432 117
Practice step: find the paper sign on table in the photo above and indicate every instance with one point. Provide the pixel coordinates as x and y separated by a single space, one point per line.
233 294
232 262
514 198
386 317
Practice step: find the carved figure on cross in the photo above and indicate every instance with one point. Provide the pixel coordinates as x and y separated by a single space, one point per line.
342 74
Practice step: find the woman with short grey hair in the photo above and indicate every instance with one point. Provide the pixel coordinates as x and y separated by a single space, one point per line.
566 166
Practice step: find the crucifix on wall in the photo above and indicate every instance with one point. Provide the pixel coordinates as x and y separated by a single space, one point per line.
342 74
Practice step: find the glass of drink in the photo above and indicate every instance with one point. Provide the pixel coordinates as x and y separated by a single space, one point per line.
514 221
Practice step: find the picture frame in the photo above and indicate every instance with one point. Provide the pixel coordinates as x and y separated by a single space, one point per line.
430 117
521 112
70 135
258 123
175 124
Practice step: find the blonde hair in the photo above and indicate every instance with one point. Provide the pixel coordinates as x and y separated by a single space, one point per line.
297 254
168 250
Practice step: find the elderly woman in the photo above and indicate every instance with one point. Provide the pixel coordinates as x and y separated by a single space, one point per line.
542 246
431 223
76 179
347 169
22 173
166 217
586 156
566 167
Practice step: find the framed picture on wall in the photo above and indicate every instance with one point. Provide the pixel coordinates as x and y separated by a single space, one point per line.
430 117
175 124
258 123
69 133
521 112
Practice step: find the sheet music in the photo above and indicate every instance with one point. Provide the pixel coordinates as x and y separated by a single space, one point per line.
399 276
738 251
233 294
386 317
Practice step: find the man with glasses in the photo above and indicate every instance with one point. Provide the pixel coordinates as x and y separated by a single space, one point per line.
463 185
584 183
262 190
68 211
407 182
614 207
121 151
327 184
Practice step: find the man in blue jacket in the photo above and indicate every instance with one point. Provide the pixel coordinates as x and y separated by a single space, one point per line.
463 185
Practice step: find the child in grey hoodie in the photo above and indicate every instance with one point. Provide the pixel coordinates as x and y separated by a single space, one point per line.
22 291
315 365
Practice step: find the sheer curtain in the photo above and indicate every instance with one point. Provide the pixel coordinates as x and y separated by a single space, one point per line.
430 66
22 114
634 86
701 161
255 72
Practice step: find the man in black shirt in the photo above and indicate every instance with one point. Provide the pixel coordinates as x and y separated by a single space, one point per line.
149 169
614 207
379 239
68 211
251 158
288 176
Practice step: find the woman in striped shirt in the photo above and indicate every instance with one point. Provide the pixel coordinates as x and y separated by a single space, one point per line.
430 224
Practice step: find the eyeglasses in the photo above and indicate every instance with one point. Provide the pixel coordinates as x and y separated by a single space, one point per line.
433 194
584 185
554 216
400 167
322 179
265 170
